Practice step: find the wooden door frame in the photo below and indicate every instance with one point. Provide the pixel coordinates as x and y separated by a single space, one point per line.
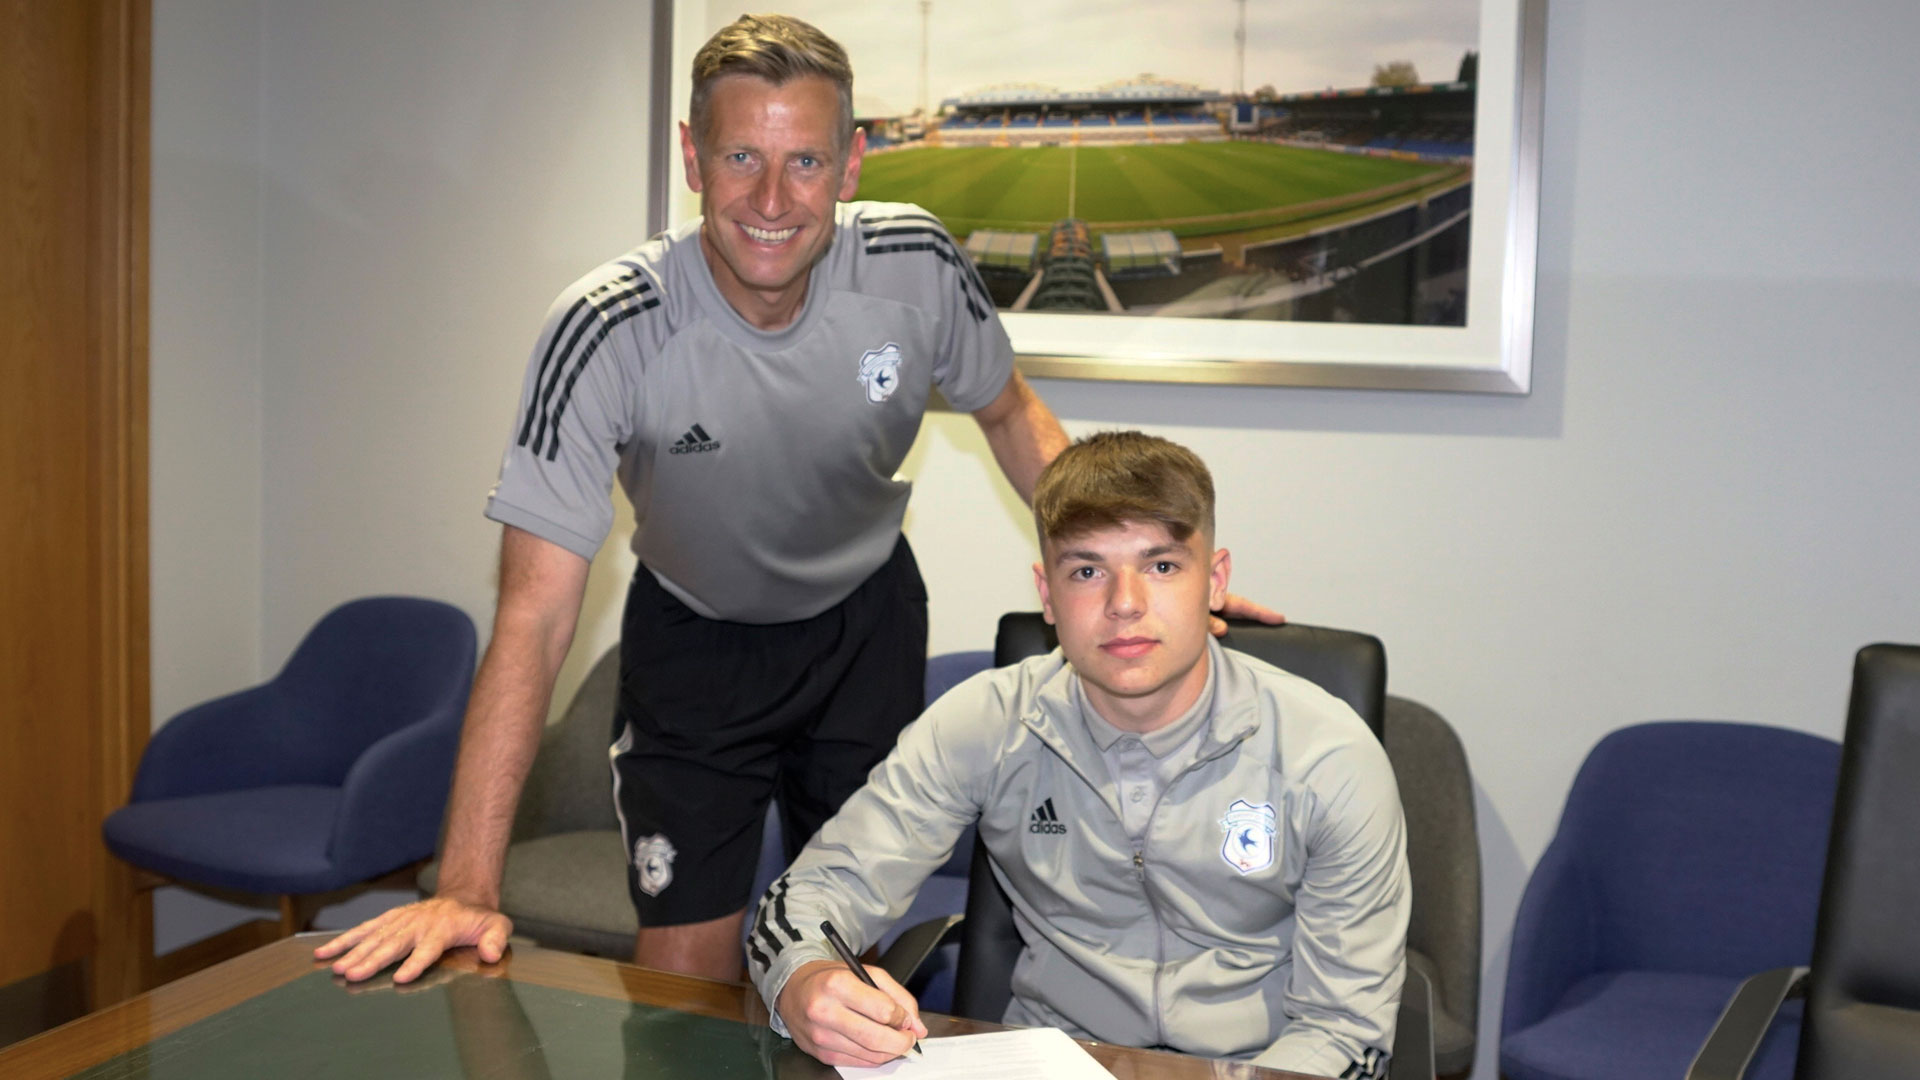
117 315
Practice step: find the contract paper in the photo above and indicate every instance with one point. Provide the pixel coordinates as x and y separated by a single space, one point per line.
1025 1054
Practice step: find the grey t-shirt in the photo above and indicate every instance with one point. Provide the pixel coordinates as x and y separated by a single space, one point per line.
760 464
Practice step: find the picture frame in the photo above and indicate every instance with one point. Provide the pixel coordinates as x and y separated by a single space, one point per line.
1490 353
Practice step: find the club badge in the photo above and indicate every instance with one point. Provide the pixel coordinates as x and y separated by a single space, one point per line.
1250 831
653 862
880 371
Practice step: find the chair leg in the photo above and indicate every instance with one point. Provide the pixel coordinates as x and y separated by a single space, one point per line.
124 964
290 920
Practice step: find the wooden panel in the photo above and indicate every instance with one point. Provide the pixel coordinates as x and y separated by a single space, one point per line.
73 165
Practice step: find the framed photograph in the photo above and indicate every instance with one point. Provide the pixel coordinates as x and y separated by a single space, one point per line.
1328 193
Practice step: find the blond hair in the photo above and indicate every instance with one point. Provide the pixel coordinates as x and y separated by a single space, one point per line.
776 48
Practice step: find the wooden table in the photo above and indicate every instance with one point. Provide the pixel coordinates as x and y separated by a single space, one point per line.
535 1015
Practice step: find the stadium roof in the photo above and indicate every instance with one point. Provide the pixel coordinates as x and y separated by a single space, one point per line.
1141 91
1376 91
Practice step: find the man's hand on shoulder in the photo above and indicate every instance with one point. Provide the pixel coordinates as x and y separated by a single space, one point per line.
1239 607
843 1021
424 929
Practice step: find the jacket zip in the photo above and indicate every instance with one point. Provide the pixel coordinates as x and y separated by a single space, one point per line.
1140 871
1159 932
1140 853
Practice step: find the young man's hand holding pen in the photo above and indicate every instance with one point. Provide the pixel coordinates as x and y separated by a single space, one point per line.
846 1014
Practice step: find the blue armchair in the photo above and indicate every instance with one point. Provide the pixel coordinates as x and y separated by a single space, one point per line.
1688 857
331 775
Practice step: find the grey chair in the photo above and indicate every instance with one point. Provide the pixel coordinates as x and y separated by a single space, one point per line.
1443 861
566 879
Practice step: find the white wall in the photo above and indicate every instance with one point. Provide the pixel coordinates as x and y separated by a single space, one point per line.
437 172
205 456
1704 507
205 380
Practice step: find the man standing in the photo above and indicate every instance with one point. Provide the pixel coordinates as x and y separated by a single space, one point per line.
1203 852
753 379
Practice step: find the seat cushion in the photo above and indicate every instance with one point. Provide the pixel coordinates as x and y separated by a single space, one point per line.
1633 1025
260 840
567 891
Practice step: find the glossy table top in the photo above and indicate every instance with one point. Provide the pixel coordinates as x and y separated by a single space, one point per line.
534 1015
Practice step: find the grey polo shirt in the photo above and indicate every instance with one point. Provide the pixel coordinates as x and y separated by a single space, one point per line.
760 464
1143 765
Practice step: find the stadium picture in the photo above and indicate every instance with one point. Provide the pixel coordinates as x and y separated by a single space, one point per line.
1264 172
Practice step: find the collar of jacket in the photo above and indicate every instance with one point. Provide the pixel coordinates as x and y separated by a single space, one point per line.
1054 717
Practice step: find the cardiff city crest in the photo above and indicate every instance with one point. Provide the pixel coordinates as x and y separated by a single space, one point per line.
1250 831
880 371
653 863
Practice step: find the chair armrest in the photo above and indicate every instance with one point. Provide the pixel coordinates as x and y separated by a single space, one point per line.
912 947
1412 1057
220 745
394 797
1743 1024
1553 941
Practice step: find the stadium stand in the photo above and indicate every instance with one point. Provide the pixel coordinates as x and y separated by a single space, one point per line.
1138 110
1431 120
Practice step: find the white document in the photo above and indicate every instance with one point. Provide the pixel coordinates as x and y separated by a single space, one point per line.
1023 1054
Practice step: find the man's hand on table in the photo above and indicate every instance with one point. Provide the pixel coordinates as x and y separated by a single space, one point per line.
1239 607
843 1021
425 930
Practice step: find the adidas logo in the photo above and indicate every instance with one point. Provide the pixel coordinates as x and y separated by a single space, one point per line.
1045 820
695 441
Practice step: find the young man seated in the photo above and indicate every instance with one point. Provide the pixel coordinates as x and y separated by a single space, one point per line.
1204 853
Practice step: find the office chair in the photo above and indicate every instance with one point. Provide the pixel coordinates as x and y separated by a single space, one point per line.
1862 1011
565 885
328 777
1443 865
1351 666
1688 857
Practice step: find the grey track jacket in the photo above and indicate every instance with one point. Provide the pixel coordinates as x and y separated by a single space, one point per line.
1265 915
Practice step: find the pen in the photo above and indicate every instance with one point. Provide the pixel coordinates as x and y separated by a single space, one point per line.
852 961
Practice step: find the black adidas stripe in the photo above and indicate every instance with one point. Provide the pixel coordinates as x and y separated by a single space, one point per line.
880 236
883 242
881 239
699 433
780 910
600 309
546 360
968 283
760 928
758 957
1368 1067
566 393
878 222
538 419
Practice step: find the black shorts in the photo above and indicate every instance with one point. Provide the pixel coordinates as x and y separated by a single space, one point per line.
715 718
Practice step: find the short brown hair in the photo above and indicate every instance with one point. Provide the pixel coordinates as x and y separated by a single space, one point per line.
775 48
1116 478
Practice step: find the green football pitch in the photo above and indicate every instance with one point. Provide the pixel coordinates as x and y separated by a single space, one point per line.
1195 189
